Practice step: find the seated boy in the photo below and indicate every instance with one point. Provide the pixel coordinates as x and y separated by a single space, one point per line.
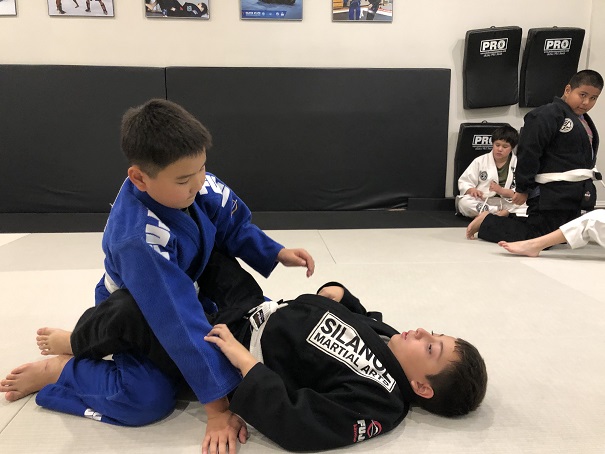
319 374
577 233
165 221
488 183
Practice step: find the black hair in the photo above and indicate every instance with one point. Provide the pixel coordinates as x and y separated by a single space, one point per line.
586 77
159 133
506 133
461 386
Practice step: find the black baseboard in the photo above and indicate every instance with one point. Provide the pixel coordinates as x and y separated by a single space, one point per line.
267 220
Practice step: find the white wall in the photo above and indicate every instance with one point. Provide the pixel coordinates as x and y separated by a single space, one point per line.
426 33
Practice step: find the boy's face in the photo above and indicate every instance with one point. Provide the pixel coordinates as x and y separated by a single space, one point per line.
176 185
421 353
501 149
581 99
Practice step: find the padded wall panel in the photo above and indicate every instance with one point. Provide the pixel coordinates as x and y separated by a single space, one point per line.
549 60
59 130
290 139
474 139
490 67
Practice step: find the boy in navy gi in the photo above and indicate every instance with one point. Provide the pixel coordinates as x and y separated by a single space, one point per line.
555 160
322 372
167 218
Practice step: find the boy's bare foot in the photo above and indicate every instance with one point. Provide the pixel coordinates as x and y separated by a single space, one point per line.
54 341
528 248
32 377
473 227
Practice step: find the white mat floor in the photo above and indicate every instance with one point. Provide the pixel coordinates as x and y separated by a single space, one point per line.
539 324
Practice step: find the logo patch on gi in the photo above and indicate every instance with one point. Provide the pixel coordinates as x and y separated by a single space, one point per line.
340 341
363 429
483 175
90 413
481 207
567 126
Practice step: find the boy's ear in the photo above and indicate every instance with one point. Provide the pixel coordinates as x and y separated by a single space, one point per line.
422 389
567 90
138 177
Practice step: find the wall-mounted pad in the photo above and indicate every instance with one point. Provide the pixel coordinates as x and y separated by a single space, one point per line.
490 67
549 60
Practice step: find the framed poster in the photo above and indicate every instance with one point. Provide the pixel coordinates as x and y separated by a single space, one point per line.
362 10
86 8
8 8
177 8
272 9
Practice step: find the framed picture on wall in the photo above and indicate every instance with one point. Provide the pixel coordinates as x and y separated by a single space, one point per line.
8 8
81 8
362 10
177 8
272 9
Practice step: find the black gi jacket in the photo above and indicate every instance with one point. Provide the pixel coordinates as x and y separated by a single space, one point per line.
554 140
328 379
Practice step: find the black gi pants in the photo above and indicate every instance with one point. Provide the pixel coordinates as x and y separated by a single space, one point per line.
537 223
117 325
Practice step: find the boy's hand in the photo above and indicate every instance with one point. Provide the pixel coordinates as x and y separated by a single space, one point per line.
235 352
223 429
519 198
495 187
297 257
474 192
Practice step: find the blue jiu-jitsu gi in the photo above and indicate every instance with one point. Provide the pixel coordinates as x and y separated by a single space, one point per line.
158 253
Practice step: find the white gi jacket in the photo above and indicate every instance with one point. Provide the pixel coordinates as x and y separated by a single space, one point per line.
479 174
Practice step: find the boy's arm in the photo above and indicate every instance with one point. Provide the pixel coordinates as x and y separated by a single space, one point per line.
469 178
538 132
238 236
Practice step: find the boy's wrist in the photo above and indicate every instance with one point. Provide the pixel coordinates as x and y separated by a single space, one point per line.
217 407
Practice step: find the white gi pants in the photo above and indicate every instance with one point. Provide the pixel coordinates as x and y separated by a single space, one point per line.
588 227
469 206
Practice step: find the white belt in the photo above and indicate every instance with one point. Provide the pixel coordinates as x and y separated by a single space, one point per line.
258 321
571 175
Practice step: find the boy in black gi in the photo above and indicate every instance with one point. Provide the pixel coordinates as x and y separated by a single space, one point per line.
332 374
556 154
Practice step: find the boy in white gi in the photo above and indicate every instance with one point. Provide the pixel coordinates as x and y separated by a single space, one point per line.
488 183
167 218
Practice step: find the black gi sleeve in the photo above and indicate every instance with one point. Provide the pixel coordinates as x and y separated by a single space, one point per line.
306 420
539 131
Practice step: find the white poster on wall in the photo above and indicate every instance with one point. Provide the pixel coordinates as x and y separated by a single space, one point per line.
272 9
82 8
362 10
177 9
8 8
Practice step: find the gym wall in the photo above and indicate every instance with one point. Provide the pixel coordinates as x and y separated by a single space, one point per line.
422 35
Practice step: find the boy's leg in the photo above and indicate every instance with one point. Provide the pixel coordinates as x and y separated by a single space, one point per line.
533 246
117 325
588 227
127 391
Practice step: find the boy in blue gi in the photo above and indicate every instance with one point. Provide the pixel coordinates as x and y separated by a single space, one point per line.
555 160
167 218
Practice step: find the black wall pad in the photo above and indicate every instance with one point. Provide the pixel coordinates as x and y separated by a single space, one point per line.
490 67
549 60
474 139
267 220
305 139
59 131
